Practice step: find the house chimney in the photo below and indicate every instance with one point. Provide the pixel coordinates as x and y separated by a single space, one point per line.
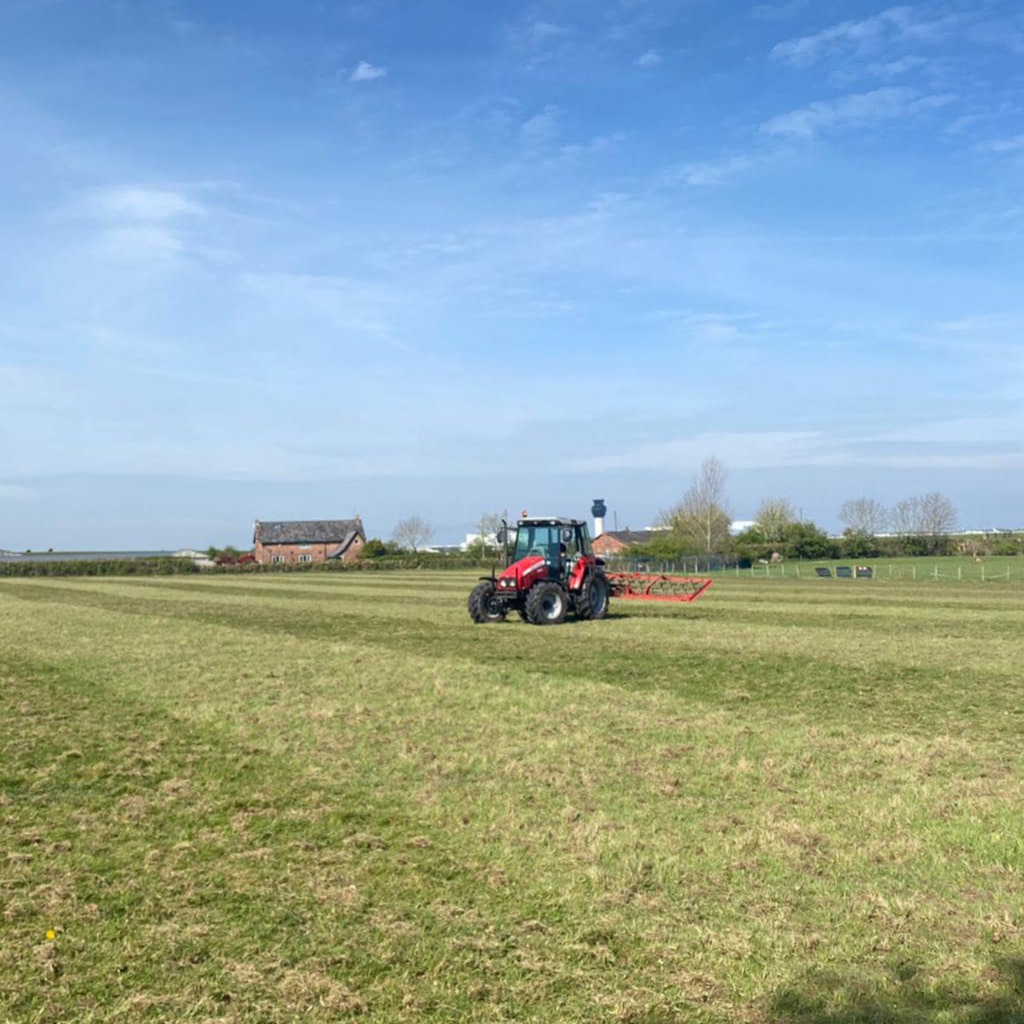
598 511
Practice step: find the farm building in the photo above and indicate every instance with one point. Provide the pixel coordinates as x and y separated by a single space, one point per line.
311 540
614 542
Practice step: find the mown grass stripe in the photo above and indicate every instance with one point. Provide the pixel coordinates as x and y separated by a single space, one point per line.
707 852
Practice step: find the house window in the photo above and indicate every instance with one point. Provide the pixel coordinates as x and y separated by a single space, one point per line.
305 558
304 546
277 558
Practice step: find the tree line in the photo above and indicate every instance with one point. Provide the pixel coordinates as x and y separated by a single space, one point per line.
699 524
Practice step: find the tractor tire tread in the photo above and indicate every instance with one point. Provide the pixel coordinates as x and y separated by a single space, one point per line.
585 606
535 603
477 604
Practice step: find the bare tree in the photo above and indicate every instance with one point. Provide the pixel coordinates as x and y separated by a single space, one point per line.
773 516
864 516
413 532
906 516
701 520
938 515
490 525
928 515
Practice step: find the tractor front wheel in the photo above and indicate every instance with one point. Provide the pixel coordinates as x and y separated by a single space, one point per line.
546 604
483 606
592 602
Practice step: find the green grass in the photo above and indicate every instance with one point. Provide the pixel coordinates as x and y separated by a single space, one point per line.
948 569
319 797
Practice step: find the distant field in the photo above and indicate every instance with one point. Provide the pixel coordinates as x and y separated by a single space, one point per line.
309 797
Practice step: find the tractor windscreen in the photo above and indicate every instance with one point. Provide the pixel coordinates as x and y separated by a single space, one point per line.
537 540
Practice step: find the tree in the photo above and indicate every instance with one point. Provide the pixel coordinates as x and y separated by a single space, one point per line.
906 517
773 517
863 517
805 540
413 532
938 515
377 548
928 517
701 521
490 525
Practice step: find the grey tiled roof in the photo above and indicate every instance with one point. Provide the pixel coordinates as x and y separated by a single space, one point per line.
309 531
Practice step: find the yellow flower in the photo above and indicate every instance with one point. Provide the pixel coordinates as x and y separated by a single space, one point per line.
51 935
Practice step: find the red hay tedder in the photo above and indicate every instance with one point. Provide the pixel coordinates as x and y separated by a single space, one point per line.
551 570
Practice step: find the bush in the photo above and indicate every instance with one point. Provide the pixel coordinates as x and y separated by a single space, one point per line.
101 567
805 540
859 545
377 548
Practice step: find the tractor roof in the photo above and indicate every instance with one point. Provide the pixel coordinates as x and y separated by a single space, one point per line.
549 521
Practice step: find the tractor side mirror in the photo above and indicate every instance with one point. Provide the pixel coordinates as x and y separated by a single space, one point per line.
501 536
566 535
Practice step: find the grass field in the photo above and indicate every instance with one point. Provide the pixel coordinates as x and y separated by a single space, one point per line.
311 797
993 569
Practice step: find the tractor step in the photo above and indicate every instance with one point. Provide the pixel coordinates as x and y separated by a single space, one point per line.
640 586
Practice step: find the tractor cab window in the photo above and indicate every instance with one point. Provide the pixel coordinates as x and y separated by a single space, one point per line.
536 540
583 541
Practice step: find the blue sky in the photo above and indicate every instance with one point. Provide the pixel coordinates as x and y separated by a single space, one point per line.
303 260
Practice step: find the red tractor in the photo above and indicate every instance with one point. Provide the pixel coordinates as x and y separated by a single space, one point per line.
550 571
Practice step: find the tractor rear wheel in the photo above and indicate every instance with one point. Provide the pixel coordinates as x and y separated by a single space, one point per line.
592 602
546 604
482 604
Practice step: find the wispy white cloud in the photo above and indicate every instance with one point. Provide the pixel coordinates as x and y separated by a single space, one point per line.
650 59
711 172
858 36
576 151
862 37
930 446
856 110
542 128
538 42
1008 324
326 307
710 329
540 32
1013 144
897 67
141 242
140 203
364 71
741 450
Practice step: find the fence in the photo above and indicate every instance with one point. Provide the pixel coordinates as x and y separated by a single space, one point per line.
975 573
692 564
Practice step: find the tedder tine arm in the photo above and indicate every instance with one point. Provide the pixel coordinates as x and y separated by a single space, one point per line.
638 586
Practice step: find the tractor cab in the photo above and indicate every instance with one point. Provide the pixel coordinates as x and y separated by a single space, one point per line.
559 542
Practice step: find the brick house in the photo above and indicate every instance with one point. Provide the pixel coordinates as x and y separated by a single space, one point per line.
312 540
614 542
